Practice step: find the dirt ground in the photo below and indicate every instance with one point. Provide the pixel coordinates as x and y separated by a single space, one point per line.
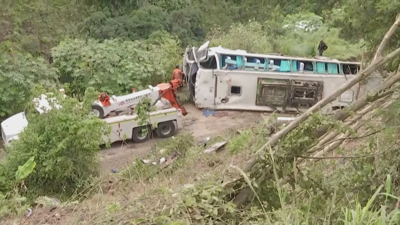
121 154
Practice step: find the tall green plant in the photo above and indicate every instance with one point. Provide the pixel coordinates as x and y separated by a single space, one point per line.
64 144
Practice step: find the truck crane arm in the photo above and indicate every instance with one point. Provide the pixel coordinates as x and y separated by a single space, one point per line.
164 91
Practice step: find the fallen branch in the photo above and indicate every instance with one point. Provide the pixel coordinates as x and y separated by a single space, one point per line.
170 159
357 137
362 102
344 137
337 142
386 38
338 157
357 117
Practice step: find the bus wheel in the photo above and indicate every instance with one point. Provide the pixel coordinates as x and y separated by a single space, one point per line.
165 129
141 134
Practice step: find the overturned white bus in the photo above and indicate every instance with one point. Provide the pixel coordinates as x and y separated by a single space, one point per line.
220 78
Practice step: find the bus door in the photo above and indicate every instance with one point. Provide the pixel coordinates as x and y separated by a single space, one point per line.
222 84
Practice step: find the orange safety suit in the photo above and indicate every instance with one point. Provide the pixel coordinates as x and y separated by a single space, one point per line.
177 74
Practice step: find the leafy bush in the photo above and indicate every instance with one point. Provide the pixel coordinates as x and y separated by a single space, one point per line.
114 66
18 71
64 144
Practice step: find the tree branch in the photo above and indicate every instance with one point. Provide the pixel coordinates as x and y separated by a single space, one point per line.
353 138
386 38
337 157
337 142
362 102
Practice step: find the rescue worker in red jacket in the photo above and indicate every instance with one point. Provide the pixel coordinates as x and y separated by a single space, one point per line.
177 74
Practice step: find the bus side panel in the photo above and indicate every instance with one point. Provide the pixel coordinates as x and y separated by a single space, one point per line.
205 89
245 99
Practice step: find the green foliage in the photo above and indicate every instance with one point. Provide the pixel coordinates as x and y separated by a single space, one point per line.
25 170
12 203
113 66
39 25
250 37
143 110
137 25
64 144
19 72
141 23
384 12
287 38
113 46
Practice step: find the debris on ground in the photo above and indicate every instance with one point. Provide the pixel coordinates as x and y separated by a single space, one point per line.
203 142
207 112
215 147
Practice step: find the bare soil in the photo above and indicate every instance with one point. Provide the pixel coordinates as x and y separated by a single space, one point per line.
121 154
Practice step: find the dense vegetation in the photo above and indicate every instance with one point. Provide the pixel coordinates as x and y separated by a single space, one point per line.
116 45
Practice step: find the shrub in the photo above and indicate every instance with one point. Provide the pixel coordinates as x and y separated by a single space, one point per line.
64 144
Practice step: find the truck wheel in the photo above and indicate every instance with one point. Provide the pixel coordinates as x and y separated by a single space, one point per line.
141 134
97 111
165 129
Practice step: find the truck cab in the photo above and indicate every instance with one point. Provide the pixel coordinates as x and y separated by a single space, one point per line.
12 126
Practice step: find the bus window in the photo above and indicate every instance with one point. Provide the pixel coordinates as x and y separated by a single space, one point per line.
211 63
279 65
350 68
274 65
302 66
254 63
321 68
236 90
285 65
332 68
231 62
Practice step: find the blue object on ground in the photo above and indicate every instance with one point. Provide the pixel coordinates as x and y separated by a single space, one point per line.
208 113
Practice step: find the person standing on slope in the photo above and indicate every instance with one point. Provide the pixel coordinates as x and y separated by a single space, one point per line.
322 47
177 74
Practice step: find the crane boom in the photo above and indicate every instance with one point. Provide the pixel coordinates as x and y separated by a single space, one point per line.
165 92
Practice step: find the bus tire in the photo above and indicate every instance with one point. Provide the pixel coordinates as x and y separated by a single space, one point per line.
138 134
165 129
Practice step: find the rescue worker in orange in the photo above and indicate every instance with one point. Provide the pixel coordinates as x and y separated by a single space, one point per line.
177 74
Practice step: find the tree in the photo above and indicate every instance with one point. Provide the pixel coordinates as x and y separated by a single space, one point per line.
187 25
114 66
39 25
64 144
18 73
356 15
